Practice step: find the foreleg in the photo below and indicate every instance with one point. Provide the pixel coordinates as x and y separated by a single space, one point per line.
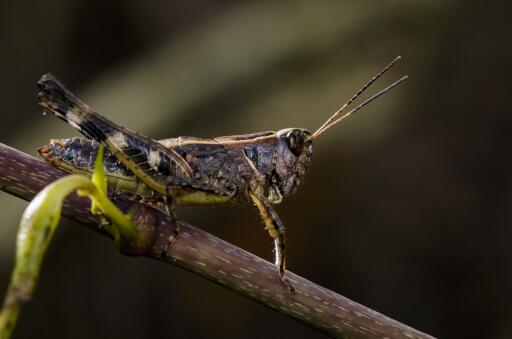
277 231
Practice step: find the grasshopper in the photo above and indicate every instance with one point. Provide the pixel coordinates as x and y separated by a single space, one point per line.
260 168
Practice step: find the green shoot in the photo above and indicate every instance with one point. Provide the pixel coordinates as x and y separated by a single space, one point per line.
38 225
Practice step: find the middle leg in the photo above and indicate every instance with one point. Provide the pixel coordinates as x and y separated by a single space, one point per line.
170 208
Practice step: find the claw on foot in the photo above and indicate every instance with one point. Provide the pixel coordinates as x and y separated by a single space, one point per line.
288 284
172 239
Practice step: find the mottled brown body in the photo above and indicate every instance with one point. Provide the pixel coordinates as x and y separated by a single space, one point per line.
223 166
260 168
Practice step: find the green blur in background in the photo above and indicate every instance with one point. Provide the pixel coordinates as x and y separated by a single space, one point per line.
406 208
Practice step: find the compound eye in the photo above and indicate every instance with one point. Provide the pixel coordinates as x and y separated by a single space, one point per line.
296 142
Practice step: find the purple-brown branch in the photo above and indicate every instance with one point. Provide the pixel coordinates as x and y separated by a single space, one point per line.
212 258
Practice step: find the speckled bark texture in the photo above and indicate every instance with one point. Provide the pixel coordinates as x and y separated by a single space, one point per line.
214 259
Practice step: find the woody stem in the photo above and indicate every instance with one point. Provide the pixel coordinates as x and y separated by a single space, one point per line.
212 258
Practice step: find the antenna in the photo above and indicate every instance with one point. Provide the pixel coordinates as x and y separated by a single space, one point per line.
331 121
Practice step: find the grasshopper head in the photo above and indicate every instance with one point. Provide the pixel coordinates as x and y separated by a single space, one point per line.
295 145
294 148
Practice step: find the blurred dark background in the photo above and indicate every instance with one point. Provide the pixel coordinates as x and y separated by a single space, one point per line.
406 208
